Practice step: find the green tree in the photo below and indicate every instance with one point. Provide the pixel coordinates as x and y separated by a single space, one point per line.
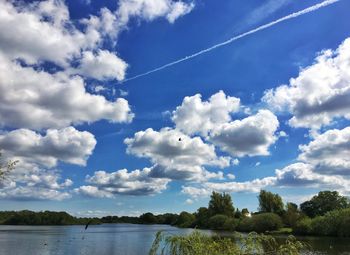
238 214
222 222
221 203
202 217
185 220
245 212
148 218
324 202
291 215
270 202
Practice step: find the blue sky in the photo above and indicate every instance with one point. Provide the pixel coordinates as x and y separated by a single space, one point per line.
268 111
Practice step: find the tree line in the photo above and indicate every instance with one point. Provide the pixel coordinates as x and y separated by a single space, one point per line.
327 213
27 217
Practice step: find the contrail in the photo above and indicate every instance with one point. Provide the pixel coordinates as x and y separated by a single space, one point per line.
235 38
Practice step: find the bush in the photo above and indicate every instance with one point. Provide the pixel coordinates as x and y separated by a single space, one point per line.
260 223
185 220
246 225
197 243
320 226
222 222
334 223
344 229
303 227
266 222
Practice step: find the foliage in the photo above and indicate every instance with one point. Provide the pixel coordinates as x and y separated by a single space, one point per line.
222 222
148 218
333 223
303 226
200 244
167 218
270 202
260 223
291 215
43 218
245 212
185 220
202 216
324 202
221 203
238 213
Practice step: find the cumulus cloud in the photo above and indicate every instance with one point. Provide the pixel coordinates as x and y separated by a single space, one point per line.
35 176
323 163
294 175
37 99
175 154
32 31
197 116
45 59
329 152
178 9
151 9
102 65
112 23
320 93
29 181
68 145
122 182
207 188
250 136
304 175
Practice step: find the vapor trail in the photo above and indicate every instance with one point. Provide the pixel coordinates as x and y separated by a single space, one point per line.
235 38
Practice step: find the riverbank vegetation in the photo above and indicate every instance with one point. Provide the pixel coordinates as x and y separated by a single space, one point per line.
326 214
198 243
43 218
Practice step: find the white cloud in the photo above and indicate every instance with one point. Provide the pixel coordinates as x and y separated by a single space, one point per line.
329 152
197 116
99 88
110 23
207 188
321 92
40 31
231 176
68 145
122 182
123 93
102 65
189 201
178 9
323 164
235 162
304 175
195 192
34 177
37 100
92 191
29 181
176 155
32 193
251 136
151 9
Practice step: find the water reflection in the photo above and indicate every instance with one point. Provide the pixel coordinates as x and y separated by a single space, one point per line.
109 239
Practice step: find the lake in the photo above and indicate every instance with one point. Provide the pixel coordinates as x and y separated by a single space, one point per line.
110 239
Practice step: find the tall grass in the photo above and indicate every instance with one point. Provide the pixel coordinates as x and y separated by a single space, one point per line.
198 243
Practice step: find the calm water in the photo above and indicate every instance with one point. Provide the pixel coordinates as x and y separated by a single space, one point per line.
109 239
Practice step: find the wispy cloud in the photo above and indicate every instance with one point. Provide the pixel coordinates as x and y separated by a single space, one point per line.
235 38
